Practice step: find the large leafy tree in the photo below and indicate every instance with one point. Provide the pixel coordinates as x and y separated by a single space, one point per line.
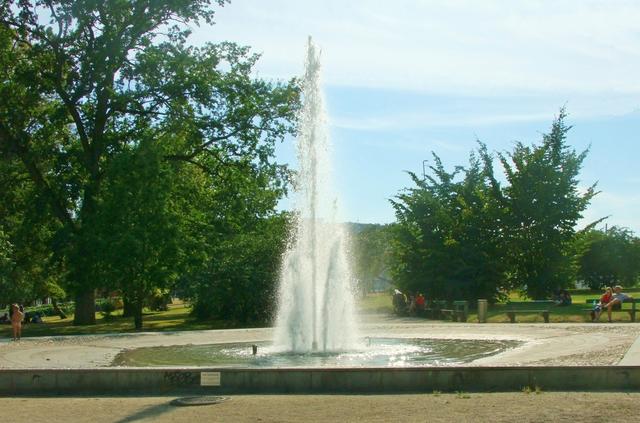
465 235
447 241
239 241
543 204
240 281
25 209
30 268
137 229
85 82
609 257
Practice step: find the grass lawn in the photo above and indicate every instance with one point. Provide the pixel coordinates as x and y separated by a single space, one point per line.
176 318
381 303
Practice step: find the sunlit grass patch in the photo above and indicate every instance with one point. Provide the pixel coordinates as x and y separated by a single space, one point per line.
177 318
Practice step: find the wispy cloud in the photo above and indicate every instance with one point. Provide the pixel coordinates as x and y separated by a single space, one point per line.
426 120
442 69
447 46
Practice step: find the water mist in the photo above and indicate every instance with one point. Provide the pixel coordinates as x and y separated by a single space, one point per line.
316 306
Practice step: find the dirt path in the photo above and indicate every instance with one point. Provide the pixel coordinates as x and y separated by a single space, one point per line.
462 407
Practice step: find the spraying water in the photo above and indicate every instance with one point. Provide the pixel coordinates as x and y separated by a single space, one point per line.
316 308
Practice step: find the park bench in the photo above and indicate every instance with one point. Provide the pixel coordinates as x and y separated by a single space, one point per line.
616 308
541 307
433 309
458 312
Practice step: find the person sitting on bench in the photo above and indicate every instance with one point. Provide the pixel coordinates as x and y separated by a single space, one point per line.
618 298
604 300
399 302
565 298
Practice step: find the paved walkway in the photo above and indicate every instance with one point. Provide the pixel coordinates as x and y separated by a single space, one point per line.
632 357
543 344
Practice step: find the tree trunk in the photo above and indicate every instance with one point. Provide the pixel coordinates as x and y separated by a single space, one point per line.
85 312
127 307
137 315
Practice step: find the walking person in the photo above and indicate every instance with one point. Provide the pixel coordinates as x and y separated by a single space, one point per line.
16 321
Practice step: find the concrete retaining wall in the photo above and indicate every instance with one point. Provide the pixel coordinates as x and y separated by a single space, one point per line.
358 380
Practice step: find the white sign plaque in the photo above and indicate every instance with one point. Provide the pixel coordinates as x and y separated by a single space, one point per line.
209 378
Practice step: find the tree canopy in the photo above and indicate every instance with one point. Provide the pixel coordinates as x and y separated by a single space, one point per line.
466 235
371 253
544 204
103 105
447 243
610 257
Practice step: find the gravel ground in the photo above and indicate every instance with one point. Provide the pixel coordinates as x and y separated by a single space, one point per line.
543 344
461 407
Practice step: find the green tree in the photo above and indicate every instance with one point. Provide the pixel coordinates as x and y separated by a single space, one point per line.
447 244
371 250
5 268
239 240
137 227
543 205
94 78
30 269
25 210
610 257
240 282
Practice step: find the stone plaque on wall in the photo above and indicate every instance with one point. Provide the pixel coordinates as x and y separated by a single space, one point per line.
209 378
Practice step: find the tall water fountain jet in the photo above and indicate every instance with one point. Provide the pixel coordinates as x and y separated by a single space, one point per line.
316 307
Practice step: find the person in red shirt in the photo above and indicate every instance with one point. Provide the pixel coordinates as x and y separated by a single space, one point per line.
604 300
618 298
420 302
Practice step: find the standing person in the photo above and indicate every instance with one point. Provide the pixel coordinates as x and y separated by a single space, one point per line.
618 298
16 321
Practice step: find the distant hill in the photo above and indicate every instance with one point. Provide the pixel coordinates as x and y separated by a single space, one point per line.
356 228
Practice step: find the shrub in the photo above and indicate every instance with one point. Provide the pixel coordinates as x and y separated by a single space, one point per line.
159 300
106 307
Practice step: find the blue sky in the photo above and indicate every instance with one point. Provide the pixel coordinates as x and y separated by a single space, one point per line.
406 78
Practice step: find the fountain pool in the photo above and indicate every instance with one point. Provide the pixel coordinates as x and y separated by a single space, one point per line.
377 352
